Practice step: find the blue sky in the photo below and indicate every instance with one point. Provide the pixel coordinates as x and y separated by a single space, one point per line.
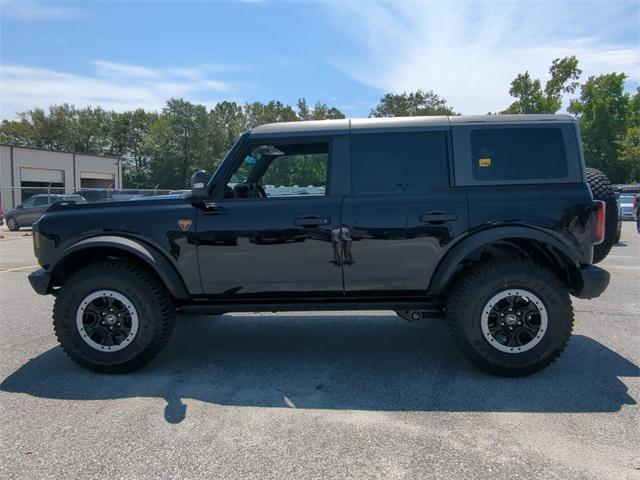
124 55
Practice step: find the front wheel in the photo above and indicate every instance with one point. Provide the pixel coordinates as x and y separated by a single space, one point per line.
113 316
12 224
510 317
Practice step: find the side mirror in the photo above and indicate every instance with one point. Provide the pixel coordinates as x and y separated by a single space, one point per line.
199 182
19 207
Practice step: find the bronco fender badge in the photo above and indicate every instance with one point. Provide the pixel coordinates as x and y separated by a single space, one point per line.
184 224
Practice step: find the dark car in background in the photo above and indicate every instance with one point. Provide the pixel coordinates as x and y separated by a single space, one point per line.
28 212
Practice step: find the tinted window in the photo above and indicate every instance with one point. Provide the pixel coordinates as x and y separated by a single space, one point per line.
398 162
41 201
518 154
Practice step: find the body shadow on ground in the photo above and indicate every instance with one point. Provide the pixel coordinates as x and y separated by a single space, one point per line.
334 362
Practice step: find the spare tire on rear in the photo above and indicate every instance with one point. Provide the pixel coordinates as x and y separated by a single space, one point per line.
602 190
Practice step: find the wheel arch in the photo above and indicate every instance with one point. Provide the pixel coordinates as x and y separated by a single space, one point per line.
94 248
530 242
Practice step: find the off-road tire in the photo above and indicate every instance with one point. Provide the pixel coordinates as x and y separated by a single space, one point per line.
153 303
476 287
602 190
12 224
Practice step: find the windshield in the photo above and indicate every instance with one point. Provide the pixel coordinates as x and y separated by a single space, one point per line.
626 198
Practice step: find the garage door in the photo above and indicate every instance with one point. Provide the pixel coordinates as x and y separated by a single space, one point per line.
41 175
96 180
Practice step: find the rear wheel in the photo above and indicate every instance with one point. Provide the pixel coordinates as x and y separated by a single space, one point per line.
12 224
113 316
602 190
510 317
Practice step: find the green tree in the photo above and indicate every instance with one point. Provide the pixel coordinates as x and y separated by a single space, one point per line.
178 143
411 104
319 112
629 160
634 109
128 133
257 113
603 112
63 127
227 122
37 128
531 98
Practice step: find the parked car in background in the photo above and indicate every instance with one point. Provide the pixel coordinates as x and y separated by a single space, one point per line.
28 212
626 206
95 195
619 225
1 216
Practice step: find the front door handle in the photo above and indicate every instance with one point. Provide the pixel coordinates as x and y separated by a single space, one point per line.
311 221
438 218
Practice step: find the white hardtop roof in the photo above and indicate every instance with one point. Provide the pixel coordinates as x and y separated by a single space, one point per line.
399 122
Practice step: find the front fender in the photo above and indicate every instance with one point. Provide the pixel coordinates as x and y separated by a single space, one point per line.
449 264
145 252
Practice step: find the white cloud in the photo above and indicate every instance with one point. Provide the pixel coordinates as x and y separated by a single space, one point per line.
33 10
469 52
111 85
125 70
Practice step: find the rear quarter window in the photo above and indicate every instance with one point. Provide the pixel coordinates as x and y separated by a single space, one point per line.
518 154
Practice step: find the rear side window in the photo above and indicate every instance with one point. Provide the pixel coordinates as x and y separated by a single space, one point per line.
413 162
518 154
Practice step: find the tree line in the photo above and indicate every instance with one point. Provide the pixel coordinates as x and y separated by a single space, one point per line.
162 149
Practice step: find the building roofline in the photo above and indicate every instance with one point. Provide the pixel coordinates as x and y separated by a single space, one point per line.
71 152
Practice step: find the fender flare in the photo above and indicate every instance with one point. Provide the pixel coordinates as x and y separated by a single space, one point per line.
449 264
153 257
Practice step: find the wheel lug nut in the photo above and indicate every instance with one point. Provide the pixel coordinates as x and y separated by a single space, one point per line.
510 328
502 324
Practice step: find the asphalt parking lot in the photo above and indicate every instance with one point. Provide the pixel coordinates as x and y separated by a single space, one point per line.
336 395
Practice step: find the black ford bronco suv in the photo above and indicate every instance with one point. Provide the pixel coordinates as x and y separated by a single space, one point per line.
486 221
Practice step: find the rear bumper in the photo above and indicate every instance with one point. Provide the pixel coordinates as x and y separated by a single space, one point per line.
594 281
40 281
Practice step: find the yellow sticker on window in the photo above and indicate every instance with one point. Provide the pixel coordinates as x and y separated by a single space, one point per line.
484 162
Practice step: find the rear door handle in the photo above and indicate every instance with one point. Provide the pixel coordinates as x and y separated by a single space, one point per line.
311 222
436 218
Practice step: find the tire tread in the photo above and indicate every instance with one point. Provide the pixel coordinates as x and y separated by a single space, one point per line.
161 298
466 288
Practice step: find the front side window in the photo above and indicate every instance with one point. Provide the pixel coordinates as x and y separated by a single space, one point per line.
518 154
281 170
41 201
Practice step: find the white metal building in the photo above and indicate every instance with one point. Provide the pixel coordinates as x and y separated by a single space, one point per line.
25 171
